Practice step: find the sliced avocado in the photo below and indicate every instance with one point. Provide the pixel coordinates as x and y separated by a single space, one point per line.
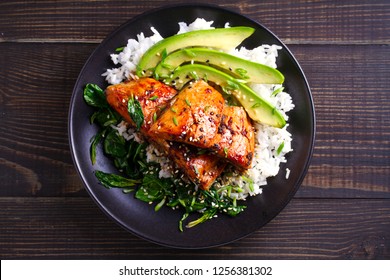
257 108
219 38
238 67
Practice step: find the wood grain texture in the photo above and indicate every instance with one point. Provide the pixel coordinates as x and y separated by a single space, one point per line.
35 95
350 88
361 22
58 228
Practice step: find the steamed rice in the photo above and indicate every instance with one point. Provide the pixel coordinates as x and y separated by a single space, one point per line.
271 144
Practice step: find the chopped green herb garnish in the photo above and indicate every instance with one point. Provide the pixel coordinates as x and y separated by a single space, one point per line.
194 75
164 54
250 183
205 78
242 73
174 119
231 86
226 151
167 66
280 148
256 105
189 52
154 117
276 91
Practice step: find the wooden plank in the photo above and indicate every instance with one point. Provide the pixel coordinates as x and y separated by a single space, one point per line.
361 22
351 157
74 228
350 90
35 92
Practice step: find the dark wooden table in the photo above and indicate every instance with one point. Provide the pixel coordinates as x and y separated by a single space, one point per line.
341 211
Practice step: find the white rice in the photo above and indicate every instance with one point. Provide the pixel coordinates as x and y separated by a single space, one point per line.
267 160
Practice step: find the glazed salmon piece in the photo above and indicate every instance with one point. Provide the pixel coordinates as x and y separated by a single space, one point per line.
153 96
193 117
202 169
235 139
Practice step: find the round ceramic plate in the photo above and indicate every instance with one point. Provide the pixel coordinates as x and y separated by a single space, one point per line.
162 227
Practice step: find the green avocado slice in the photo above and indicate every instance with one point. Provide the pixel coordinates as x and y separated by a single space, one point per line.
257 108
218 38
235 66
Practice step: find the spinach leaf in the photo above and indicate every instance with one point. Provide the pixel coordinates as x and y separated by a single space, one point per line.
114 144
154 188
134 163
115 181
95 140
135 111
94 96
105 117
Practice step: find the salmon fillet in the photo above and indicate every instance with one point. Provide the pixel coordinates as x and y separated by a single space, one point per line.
199 117
179 124
235 138
202 169
154 97
193 117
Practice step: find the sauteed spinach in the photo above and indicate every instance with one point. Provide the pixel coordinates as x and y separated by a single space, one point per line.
136 176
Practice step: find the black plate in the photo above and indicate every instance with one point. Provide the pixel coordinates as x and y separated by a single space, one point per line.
162 227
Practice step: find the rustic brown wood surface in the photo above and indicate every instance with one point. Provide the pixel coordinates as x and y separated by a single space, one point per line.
341 211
